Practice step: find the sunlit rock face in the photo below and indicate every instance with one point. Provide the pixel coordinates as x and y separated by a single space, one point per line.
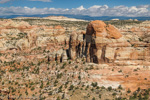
98 38
105 44
98 28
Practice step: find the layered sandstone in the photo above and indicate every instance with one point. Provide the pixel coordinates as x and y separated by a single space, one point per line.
26 36
104 43
100 29
101 43
98 38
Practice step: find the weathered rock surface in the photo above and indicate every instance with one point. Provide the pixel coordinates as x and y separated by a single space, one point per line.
98 38
100 29
105 44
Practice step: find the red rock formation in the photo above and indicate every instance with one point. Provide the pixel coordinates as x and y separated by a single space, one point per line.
98 36
113 32
105 44
96 28
100 29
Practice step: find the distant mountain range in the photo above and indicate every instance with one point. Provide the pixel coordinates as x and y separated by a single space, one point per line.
84 17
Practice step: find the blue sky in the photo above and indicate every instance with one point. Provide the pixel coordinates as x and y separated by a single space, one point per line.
72 3
83 7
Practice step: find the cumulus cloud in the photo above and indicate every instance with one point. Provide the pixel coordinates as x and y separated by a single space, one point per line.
42 0
4 1
96 10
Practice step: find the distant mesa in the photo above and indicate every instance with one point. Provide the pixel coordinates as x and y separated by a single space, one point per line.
27 18
59 18
116 19
62 18
133 20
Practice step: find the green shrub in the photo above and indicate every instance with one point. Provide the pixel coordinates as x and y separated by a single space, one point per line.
71 87
109 88
129 91
94 84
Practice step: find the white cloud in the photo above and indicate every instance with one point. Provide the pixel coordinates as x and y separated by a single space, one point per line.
42 0
80 8
96 10
4 1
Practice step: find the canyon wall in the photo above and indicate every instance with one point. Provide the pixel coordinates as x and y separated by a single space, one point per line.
101 43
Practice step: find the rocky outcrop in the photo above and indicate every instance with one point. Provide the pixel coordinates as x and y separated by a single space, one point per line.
98 37
101 43
113 32
100 29
105 44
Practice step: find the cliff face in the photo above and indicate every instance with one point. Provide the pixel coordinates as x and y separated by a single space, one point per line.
98 37
100 43
105 44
